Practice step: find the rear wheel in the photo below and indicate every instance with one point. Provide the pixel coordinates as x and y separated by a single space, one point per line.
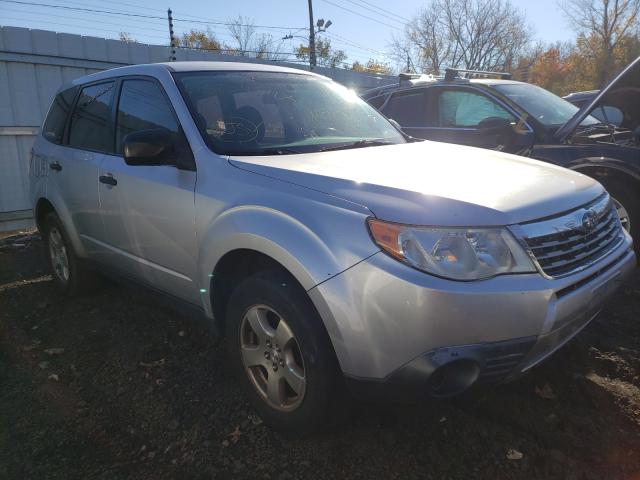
282 354
69 274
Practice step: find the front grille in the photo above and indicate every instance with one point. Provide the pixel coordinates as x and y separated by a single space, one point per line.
564 245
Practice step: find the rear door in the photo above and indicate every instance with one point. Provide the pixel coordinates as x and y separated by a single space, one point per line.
409 109
148 211
75 163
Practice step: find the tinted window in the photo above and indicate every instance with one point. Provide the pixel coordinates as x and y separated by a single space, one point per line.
90 120
408 109
459 108
143 106
53 128
376 102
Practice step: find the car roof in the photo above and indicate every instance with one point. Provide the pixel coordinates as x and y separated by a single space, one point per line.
428 80
164 67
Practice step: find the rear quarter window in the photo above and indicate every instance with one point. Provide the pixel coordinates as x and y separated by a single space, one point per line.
53 128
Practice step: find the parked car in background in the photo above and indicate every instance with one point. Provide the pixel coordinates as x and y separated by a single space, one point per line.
333 253
604 113
601 139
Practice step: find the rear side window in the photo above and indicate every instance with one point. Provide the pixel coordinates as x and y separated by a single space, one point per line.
409 109
376 102
143 106
90 120
53 129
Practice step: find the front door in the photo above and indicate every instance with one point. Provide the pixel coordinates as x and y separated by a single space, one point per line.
148 211
467 116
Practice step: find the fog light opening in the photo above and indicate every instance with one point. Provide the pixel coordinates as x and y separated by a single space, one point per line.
453 378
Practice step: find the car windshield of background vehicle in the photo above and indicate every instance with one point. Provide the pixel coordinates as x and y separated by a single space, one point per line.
547 108
271 113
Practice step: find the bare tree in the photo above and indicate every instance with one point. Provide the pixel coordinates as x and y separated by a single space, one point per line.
605 24
126 37
248 42
242 30
475 34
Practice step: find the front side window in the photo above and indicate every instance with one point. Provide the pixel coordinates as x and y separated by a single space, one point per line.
270 113
90 120
463 108
53 128
143 106
407 108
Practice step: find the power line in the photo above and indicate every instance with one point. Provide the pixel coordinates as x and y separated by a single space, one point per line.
351 11
140 15
46 22
28 12
385 12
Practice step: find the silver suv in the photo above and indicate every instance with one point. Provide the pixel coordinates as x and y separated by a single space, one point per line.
337 256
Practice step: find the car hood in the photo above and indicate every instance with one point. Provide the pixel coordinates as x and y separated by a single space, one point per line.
622 92
430 183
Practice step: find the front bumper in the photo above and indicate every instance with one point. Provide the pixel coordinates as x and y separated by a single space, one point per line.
391 324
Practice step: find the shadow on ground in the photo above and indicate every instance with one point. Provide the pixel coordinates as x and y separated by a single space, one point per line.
111 386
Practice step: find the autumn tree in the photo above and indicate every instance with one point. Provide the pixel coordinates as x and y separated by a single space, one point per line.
326 55
606 30
201 40
372 66
474 34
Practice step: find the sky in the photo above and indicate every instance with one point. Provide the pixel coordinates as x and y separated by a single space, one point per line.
357 27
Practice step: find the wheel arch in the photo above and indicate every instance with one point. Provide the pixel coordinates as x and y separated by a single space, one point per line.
46 205
249 237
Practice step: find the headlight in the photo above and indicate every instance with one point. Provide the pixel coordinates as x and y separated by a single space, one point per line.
454 253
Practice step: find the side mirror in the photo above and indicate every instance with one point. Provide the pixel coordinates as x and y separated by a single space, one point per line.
495 125
156 147
498 129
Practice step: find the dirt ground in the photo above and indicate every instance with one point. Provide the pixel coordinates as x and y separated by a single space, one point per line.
112 386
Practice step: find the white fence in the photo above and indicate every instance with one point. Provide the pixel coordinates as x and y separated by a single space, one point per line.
34 63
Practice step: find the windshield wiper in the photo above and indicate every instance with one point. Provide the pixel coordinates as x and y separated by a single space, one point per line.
266 151
358 144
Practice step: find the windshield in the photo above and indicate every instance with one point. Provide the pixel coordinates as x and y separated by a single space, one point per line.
547 108
275 113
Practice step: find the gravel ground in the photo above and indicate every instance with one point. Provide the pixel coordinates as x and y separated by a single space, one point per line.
112 386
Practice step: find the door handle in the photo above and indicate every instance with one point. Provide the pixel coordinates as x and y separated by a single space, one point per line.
55 166
109 180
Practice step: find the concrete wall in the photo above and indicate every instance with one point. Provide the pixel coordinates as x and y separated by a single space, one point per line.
34 63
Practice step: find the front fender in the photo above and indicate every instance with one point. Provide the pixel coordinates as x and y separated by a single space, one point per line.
338 241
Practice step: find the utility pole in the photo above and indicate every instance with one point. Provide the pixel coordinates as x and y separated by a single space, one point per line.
312 38
408 63
172 39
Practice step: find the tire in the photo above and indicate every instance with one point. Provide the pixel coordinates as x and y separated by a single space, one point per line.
254 325
69 274
627 199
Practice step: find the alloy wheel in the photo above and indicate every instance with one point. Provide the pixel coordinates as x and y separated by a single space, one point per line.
58 255
272 358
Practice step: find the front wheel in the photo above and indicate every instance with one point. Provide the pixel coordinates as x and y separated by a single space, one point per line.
282 354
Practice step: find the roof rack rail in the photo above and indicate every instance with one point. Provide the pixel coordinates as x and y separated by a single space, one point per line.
452 73
404 76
